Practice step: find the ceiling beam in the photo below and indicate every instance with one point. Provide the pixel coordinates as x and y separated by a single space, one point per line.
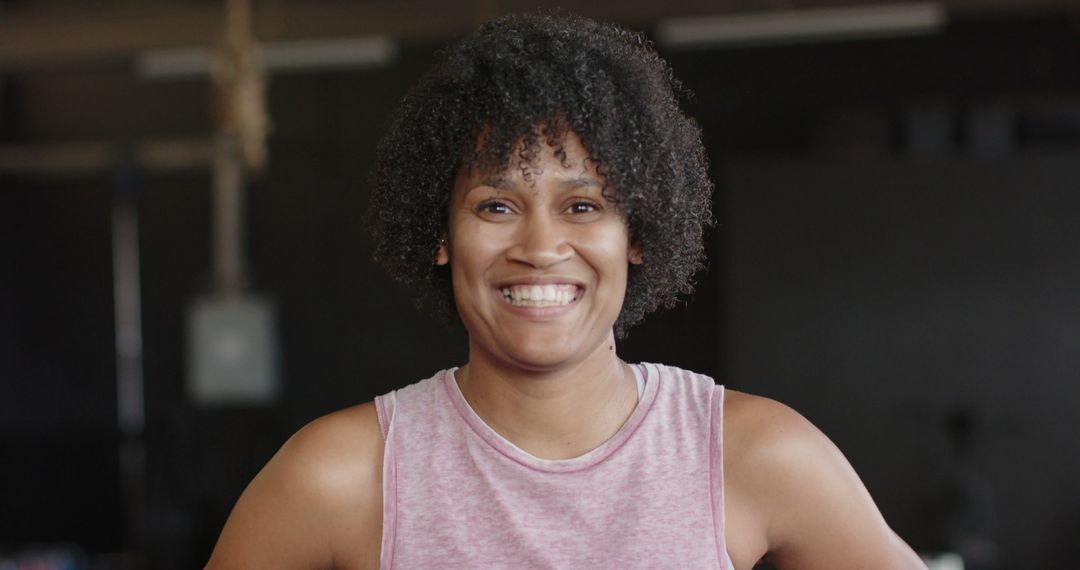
36 37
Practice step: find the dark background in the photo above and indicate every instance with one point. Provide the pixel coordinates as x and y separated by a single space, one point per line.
915 298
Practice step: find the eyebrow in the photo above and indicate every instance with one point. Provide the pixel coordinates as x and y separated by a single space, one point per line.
501 183
497 182
582 181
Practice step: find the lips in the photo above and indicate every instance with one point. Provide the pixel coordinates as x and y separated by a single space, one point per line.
540 294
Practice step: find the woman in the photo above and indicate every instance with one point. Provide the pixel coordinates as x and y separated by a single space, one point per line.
542 186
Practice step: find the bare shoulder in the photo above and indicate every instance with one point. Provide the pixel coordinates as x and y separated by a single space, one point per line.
316 504
791 483
763 433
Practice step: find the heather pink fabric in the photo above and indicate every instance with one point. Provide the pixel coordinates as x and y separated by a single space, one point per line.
456 494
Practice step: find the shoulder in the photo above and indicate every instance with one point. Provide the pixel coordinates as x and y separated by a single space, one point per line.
308 505
792 484
762 430
338 455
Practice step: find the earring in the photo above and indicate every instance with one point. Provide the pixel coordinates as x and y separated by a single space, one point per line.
441 257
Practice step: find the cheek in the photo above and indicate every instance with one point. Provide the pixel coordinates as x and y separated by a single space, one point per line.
610 249
471 253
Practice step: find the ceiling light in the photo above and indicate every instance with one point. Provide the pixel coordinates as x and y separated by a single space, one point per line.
302 55
801 26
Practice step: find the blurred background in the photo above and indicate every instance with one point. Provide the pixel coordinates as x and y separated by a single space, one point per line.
186 280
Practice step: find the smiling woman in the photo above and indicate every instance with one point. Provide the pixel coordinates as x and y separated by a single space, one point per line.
542 186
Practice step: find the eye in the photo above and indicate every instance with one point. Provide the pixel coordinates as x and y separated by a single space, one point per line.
493 207
582 207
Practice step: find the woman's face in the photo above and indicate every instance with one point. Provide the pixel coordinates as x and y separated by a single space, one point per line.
538 261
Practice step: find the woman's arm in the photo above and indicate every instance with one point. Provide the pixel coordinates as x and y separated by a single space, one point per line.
809 506
316 504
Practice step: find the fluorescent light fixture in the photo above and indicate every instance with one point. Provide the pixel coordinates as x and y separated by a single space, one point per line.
802 26
297 56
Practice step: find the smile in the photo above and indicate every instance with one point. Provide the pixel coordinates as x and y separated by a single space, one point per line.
547 295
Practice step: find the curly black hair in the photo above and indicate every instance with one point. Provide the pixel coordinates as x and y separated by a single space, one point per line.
525 80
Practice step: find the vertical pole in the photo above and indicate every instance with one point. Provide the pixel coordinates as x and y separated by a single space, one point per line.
130 402
228 199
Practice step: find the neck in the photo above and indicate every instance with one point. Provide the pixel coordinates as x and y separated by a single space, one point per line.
556 413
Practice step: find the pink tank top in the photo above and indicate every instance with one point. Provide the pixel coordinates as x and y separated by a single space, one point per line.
456 494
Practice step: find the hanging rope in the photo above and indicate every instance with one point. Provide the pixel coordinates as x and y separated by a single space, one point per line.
240 86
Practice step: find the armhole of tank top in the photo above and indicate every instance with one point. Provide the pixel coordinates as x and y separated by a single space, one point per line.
716 468
384 409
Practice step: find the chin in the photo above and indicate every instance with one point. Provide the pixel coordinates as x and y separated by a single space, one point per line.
539 356
542 352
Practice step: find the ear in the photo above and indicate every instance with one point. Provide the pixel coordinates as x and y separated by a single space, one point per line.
635 256
442 255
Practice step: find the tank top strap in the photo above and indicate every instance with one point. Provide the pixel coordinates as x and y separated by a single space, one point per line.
384 408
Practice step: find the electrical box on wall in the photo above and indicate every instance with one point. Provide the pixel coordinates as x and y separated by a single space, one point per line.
232 351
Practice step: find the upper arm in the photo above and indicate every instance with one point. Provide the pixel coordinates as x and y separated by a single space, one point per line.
810 503
317 501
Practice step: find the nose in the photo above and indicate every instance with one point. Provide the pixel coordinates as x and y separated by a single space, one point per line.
540 242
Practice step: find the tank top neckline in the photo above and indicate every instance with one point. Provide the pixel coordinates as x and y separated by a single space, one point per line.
526 459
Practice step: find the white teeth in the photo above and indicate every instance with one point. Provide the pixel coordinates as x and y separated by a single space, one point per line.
550 295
